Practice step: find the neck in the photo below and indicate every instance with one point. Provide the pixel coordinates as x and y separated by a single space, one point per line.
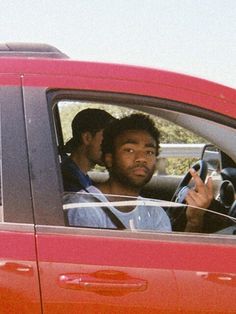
82 162
115 188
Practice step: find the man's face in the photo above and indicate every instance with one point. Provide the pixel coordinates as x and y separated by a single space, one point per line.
94 149
134 159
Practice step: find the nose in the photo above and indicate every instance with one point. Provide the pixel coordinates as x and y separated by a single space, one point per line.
140 157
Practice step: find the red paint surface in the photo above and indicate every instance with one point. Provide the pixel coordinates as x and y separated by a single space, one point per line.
184 277
169 269
123 79
19 284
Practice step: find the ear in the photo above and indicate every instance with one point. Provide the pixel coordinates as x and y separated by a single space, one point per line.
86 138
108 160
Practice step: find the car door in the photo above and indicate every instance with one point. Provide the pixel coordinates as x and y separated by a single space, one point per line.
85 270
110 271
19 282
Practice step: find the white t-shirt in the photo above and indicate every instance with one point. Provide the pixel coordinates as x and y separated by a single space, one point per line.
85 211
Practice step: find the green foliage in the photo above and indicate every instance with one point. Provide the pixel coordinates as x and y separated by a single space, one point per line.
170 133
174 134
179 166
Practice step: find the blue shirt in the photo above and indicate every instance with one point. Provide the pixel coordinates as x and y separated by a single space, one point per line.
73 178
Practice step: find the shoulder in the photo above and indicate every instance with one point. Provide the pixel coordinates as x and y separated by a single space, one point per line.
83 209
74 197
82 196
67 164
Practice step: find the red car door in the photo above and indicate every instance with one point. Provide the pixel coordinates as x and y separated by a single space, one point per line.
104 271
19 284
114 272
85 271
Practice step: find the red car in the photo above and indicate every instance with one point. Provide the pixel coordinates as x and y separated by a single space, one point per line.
49 267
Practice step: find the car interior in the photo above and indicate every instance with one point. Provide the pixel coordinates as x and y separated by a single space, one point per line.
186 125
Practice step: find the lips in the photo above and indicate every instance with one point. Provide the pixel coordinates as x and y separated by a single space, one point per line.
140 171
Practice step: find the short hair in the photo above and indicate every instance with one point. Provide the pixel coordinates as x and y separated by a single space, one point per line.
91 120
137 121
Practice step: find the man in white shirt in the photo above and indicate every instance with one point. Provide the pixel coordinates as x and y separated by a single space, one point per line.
130 147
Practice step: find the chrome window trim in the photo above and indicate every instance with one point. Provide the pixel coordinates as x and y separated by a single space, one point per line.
156 236
18 227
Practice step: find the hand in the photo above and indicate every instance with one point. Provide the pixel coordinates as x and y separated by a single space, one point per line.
201 196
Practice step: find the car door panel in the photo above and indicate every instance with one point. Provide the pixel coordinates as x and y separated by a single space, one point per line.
206 292
105 274
19 282
19 286
170 276
206 276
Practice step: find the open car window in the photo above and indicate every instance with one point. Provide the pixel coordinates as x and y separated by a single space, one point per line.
91 209
184 134
179 147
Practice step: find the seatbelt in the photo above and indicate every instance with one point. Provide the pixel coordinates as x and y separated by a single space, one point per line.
114 219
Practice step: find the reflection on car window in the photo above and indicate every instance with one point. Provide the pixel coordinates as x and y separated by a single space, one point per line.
93 209
90 209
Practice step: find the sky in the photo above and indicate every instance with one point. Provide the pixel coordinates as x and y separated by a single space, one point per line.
196 37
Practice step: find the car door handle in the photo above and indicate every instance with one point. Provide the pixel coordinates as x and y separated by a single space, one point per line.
103 284
228 279
13 267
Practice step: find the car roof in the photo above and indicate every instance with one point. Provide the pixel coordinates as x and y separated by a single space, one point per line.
25 61
38 50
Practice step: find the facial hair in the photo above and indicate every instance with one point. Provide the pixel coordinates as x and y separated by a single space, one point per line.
125 177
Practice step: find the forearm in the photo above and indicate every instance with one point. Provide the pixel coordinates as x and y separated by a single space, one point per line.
194 220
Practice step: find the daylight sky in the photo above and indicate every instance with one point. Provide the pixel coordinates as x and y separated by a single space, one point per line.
197 37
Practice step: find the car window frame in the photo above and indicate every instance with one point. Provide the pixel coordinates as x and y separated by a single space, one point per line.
47 98
16 191
46 184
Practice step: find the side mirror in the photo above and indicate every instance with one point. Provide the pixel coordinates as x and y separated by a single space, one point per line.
212 155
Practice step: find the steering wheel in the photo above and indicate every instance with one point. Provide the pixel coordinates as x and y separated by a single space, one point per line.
177 215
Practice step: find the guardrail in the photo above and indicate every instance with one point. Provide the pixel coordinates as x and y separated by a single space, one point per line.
177 151
181 150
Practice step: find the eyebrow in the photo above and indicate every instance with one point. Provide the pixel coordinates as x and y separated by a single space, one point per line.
131 141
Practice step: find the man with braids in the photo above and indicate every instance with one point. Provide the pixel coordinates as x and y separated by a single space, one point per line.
130 147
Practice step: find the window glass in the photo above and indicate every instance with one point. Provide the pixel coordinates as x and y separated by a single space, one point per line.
92 209
179 147
155 209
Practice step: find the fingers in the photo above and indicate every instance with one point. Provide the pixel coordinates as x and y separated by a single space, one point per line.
209 185
199 184
197 199
202 195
